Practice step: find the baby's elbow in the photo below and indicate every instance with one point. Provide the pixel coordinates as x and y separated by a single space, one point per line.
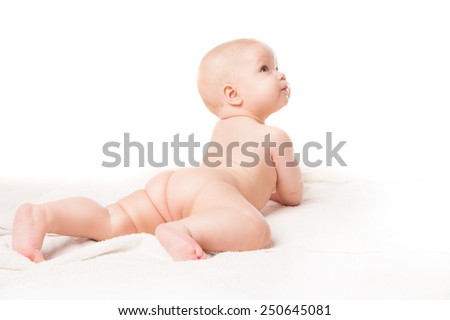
294 202
293 199
300 194
300 197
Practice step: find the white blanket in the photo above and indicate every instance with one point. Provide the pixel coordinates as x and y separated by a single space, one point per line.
350 238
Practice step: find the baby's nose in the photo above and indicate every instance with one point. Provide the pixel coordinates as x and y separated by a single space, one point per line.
281 76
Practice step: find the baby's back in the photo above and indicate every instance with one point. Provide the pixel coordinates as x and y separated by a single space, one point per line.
240 147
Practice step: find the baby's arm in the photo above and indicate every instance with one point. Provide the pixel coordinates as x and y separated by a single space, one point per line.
289 187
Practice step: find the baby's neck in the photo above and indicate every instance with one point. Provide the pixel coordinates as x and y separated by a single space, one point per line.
249 116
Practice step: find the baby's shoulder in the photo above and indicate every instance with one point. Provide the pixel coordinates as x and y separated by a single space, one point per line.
276 134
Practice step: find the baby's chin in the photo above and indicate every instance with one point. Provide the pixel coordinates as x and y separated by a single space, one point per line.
286 102
281 106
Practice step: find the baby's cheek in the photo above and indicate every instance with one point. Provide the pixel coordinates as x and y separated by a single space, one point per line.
266 90
264 95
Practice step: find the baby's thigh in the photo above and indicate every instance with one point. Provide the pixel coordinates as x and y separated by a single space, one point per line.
156 190
222 219
146 207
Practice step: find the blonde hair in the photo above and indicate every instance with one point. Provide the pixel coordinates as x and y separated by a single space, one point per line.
217 69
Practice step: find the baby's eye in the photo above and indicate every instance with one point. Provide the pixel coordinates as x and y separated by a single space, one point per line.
264 69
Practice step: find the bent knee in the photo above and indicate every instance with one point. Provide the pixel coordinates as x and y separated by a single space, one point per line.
259 235
264 234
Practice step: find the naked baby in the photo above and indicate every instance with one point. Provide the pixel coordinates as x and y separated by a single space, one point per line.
214 207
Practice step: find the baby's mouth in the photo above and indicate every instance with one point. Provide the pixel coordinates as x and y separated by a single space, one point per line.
287 89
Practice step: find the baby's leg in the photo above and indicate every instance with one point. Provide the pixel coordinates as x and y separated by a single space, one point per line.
219 229
83 217
80 217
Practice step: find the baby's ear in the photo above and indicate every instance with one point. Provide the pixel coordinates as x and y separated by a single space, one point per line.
232 96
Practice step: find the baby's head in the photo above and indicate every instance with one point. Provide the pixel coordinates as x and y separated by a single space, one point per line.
241 77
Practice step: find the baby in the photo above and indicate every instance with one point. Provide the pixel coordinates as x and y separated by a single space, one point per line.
214 207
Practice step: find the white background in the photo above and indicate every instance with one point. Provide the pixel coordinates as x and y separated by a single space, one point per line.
75 75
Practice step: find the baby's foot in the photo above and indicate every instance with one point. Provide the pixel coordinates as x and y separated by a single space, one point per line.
29 230
179 243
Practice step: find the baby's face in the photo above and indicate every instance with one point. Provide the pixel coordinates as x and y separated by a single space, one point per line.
262 87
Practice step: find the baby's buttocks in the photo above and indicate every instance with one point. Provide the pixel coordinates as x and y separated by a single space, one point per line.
185 186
